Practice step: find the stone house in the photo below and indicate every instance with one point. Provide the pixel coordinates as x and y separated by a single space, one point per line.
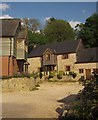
67 56
13 52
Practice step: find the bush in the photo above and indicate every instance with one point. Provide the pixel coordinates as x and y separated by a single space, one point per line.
86 106
6 77
62 73
40 75
73 74
52 74
59 76
25 74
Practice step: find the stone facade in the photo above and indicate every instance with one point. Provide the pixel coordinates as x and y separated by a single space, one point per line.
62 63
65 61
35 64
91 67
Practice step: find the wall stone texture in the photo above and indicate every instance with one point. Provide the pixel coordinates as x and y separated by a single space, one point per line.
17 84
35 64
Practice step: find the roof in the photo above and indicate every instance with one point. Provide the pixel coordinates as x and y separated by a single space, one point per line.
88 55
22 34
9 27
69 46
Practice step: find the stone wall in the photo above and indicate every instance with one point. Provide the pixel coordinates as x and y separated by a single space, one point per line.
84 66
62 63
17 84
35 64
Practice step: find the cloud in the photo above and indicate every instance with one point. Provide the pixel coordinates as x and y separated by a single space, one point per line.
4 6
47 19
6 17
74 23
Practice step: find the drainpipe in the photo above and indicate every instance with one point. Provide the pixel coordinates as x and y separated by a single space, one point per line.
9 57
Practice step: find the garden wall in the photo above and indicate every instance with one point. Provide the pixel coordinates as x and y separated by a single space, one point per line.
17 84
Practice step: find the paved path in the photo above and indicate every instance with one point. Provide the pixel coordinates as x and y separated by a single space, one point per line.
43 103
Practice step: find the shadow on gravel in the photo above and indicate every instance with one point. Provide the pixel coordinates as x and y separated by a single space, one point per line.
66 104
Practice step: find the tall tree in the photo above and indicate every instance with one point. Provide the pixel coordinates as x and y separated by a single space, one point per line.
58 30
88 31
36 39
31 24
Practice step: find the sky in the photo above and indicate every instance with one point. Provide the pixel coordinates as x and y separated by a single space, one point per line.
73 12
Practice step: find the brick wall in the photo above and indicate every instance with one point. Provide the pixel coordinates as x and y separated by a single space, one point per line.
9 65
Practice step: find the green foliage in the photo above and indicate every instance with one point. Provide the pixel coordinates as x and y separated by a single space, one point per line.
36 39
51 74
58 30
59 76
40 75
62 73
6 77
88 31
86 106
72 74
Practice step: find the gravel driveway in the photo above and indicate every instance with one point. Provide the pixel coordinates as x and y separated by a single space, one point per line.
43 103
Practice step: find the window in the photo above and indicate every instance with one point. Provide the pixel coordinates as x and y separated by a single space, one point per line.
80 70
65 56
48 56
67 68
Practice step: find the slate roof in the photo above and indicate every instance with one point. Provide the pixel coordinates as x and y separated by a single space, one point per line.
59 48
9 27
22 35
89 55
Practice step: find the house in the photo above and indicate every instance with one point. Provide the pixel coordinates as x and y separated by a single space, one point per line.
67 56
14 47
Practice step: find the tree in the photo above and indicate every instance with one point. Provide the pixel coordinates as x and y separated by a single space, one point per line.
36 39
58 30
31 24
88 31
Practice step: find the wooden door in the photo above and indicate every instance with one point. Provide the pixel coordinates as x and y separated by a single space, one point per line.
88 72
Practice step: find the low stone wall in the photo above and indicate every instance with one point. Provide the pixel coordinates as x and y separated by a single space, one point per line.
17 84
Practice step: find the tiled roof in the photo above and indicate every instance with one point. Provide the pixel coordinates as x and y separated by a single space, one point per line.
9 27
88 55
22 34
59 48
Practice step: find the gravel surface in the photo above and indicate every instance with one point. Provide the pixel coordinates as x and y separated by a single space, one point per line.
46 102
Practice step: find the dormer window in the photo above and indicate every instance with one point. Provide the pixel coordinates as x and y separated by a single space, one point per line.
65 56
48 56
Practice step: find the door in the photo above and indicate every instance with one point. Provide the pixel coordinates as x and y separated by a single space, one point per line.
88 73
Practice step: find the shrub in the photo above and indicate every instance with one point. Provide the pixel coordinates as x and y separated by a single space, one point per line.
62 73
59 76
6 77
26 74
40 75
72 74
86 106
51 74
